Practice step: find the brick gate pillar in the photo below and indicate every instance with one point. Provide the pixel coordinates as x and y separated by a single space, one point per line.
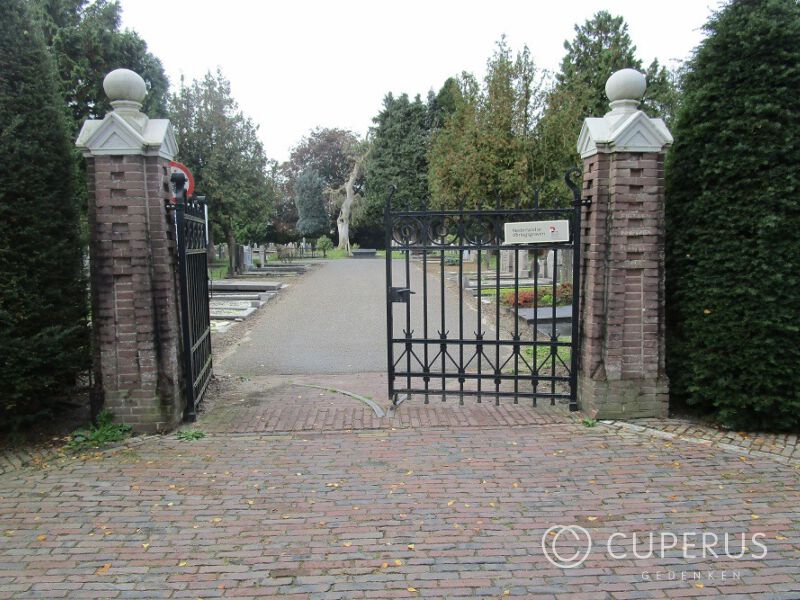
135 314
622 291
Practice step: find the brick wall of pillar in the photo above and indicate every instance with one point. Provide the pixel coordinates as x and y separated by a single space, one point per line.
136 327
622 345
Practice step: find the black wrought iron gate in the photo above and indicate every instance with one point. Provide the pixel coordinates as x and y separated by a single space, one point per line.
192 241
460 324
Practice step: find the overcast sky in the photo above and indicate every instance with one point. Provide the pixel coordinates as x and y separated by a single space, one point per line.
298 64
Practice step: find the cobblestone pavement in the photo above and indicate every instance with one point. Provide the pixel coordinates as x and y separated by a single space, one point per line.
443 510
783 447
12 459
317 403
297 402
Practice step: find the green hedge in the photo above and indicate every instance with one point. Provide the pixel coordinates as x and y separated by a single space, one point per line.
43 333
733 221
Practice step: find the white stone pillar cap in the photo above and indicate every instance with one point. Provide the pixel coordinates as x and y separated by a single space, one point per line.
126 130
625 89
624 128
125 88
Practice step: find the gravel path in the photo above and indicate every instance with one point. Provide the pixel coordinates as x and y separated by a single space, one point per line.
332 320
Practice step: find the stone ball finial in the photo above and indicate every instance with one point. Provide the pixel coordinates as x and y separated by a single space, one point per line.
626 84
124 85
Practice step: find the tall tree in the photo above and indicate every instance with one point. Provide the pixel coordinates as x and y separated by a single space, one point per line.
328 151
504 120
284 219
398 156
484 149
600 47
556 135
454 165
87 43
663 95
308 191
443 103
733 220
221 147
332 153
352 190
43 333
346 210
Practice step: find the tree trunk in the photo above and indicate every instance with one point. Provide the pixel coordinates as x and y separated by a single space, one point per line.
343 225
231 237
343 222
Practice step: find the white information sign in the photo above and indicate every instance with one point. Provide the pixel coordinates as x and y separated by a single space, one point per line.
532 232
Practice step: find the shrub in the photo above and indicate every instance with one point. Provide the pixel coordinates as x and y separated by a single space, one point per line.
324 243
545 296
733 221
564 294
508 298
523 298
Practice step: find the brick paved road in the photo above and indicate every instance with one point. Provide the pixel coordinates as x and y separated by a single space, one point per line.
314 403
414 511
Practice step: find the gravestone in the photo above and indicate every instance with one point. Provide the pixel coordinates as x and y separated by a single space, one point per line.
239 259
507 260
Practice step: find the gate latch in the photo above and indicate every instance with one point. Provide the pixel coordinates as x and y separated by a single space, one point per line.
397 294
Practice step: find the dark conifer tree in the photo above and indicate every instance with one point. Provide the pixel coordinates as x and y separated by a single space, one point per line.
43 335
733 220
600 47
398 156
